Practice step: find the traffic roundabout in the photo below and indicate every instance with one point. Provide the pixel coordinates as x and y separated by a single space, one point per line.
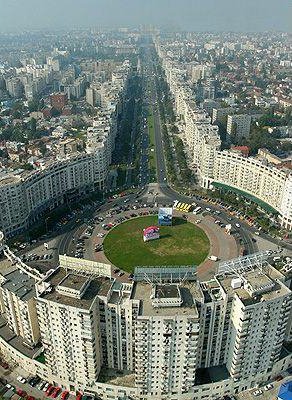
182 243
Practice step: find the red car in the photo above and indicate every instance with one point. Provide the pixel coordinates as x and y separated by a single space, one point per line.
30 398
78 396
55 393
64 395
21 393
50 389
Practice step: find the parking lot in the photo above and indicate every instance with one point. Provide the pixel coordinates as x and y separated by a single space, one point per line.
16 384
262 394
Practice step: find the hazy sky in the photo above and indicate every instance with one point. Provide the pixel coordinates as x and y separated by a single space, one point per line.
196 15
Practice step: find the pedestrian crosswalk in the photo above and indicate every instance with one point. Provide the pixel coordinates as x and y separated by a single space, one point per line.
183 207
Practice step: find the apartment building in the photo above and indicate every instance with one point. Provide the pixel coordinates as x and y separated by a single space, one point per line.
166 338
68 315
259 313
251 175
203 147
163 332
26 195
238 125
18 305
118 313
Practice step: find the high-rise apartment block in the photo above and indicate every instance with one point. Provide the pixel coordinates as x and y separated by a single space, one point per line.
159 335
216 168
238 125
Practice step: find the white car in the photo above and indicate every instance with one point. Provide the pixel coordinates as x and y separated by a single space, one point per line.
21 379
258 392
237 225
269 386
46 387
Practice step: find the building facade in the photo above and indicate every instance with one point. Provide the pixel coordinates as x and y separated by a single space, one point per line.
159 337
256 177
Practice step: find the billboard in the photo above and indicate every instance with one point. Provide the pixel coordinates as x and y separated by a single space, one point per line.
165 216
150 233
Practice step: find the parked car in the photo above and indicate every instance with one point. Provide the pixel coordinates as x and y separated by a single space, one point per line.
21 392
269 386
258 392
21 379
65 395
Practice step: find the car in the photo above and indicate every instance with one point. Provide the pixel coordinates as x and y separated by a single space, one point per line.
258 392
269 386
237 225
21 379
4 364
257 233
46 387
41 385
208 209
121 273
34 380
30 398
78 396
279 378
21 392
116 270
55 393
65 395
49 390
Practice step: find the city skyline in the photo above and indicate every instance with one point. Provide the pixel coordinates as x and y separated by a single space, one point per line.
187 15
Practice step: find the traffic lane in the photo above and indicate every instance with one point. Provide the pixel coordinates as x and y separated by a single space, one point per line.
245 229
166 189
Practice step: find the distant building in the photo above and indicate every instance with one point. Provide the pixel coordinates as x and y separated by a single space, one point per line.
221 112
242 150
238 125
91 96
59 101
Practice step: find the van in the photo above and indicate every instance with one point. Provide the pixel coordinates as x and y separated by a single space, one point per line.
197 210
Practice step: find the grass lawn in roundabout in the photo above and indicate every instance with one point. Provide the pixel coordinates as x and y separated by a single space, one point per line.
183 243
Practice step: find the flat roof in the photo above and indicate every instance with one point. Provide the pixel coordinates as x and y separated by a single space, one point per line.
98 286
188 291
73 281
19 283
167 291
254 278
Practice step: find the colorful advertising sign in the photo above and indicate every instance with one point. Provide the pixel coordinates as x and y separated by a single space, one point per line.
150 233
165 216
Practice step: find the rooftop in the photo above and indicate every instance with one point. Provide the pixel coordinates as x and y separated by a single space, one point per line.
188 292
97 286
73 281
256 286
17 282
